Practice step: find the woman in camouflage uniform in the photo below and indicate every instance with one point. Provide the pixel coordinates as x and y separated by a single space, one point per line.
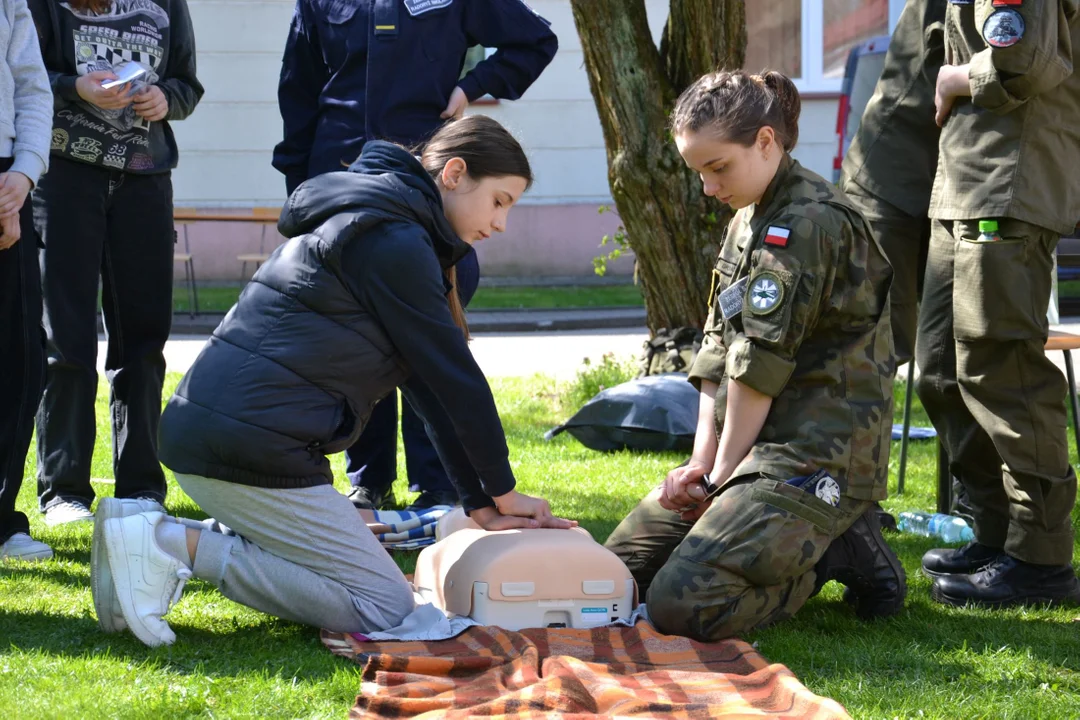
798 355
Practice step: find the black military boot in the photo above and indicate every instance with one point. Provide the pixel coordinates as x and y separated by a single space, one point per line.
958 561
431 498
1007 581
366 499
862 560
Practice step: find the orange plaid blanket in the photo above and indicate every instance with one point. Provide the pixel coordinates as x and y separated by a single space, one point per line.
566 673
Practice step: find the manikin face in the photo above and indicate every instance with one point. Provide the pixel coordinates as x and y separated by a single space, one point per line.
730 172
477 209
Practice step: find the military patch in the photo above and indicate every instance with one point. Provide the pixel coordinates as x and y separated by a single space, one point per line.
1004 28
1003 3
731 300
828 490
419 7
765 294
777 236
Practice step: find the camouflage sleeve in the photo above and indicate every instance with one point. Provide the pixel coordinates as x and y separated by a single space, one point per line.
788 271
1028 51
709 364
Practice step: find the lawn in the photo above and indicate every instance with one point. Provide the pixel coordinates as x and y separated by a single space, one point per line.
931 661
219 298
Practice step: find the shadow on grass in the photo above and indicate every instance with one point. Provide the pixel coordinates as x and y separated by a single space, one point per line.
927 641
271 646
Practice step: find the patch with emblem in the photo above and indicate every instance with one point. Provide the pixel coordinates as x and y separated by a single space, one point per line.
777 236
1004 28
828 490
419 7
731 300
765 293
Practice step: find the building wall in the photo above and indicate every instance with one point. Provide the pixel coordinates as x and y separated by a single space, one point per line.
226 145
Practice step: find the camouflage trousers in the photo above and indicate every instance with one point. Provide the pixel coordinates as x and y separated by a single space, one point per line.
748 562
995 398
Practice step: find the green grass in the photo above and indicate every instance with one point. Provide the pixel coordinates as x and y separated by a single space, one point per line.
219 298
931 661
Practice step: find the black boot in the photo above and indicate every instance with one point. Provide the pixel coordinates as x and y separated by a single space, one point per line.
1006 582
958 561
431 498
862 560
366 499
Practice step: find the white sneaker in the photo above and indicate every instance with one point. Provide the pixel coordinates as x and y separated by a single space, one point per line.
21 546
110 616
68 511
147 580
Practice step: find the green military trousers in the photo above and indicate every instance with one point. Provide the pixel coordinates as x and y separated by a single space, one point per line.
904 240
748 562
991 392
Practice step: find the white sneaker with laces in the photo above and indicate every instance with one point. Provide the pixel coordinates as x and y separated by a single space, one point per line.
21 546
146 579
110 616
66 512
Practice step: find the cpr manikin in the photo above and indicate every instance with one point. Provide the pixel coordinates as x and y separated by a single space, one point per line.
516 579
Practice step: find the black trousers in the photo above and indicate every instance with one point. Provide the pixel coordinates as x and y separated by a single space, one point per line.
22 364
116 226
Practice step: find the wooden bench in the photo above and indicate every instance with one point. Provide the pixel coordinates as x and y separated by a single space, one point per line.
184 217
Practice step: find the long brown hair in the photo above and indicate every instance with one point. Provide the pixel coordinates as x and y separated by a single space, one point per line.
94 6
735 104
489 150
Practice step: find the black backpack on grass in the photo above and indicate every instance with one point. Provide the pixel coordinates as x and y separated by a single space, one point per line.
670 351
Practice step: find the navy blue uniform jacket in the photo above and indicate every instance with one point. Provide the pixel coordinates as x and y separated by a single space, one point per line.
359 70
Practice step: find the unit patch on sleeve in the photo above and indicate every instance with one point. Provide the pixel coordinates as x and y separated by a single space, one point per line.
1004 28
777 236
765 294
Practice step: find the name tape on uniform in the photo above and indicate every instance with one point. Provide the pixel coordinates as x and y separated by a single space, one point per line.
419 7
777 236
731 300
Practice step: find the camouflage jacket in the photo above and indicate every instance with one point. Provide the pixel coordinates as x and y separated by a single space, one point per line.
1013 148
799 312
893 155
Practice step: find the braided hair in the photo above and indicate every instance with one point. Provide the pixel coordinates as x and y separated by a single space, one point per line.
735 104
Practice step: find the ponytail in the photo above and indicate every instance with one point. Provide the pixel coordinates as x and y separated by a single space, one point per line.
457 310
736 105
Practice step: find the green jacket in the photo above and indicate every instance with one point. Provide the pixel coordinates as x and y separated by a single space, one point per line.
893 155
805 291
1013 149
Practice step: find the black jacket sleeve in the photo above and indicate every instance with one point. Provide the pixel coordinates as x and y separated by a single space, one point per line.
524 46
182 89
448 445
303 77
398 278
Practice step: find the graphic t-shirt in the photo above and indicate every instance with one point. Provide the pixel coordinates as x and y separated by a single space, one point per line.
131 31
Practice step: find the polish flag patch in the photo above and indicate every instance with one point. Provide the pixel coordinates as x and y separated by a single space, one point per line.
777 236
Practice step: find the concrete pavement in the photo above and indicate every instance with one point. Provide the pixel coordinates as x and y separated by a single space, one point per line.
522 354
498 354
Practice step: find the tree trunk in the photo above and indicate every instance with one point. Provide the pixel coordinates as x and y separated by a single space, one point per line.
672 227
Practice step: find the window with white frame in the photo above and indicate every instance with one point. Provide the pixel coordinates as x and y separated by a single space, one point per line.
809 40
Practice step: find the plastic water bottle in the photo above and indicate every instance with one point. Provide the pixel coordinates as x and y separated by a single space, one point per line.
949 528
988 231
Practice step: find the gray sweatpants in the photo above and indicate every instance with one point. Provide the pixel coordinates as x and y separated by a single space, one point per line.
303 555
